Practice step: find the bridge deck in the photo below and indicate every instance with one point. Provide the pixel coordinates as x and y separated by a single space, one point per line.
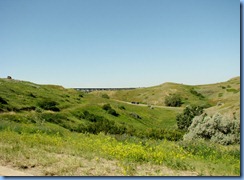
102 89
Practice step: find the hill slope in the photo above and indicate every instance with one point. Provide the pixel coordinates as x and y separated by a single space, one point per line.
221 96
25 102
50 130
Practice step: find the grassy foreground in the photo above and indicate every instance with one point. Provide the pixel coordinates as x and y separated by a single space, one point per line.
60 152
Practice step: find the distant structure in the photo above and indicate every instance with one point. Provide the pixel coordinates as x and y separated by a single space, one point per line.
9 77
101 89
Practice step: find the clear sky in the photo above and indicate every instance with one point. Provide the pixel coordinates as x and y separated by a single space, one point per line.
120 43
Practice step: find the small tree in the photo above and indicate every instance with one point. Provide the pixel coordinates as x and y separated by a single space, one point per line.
184 119
173 100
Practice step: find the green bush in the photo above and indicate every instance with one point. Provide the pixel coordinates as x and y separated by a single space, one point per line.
173 100
122 107
232 90
48 105
3 101
110 110
184 119
105 96
99 124
194 92
219 129
91 117
106 107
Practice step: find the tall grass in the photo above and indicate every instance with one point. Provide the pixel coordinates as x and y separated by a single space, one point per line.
23 146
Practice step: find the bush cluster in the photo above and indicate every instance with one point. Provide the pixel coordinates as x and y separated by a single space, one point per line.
173 100
194 92
100 124
110 110
184 119
219 129
48 105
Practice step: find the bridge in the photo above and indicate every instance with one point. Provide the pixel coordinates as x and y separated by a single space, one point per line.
101 89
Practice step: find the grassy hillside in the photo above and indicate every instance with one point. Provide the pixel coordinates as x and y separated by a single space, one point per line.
24 101
156 95
225 96
220 96
41 123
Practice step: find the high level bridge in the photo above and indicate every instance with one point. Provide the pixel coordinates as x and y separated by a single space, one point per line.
101 89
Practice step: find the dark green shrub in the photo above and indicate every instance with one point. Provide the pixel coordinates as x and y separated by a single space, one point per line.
48 105
113 112
3 101
105 96
194 92
173 100
32 95
135 116
91 117
106 107
110 110
232 90
219 129
184 119
122 107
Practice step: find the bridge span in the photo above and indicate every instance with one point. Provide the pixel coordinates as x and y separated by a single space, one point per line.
101 89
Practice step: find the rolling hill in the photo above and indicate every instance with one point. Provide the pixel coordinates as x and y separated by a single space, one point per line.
97 134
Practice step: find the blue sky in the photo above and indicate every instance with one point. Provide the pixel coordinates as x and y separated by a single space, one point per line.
120 43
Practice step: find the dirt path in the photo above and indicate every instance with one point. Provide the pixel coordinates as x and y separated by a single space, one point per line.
165 107
5 171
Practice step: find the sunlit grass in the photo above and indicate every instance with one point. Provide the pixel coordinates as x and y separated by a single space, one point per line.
26 148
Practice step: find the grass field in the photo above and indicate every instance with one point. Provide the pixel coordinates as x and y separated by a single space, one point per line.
50 130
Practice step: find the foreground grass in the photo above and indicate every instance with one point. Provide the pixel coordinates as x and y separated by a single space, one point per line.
69 153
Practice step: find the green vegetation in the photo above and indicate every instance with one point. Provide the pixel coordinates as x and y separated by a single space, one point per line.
110 110
184 120
98 134
232 90
105 96
219 129
173 100
194 92
48 105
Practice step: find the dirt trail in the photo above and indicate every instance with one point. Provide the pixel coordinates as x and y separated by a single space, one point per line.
145 105
5 171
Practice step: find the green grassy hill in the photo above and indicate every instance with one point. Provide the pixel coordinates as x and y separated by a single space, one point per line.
24 100
219 96
156 95
39 124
